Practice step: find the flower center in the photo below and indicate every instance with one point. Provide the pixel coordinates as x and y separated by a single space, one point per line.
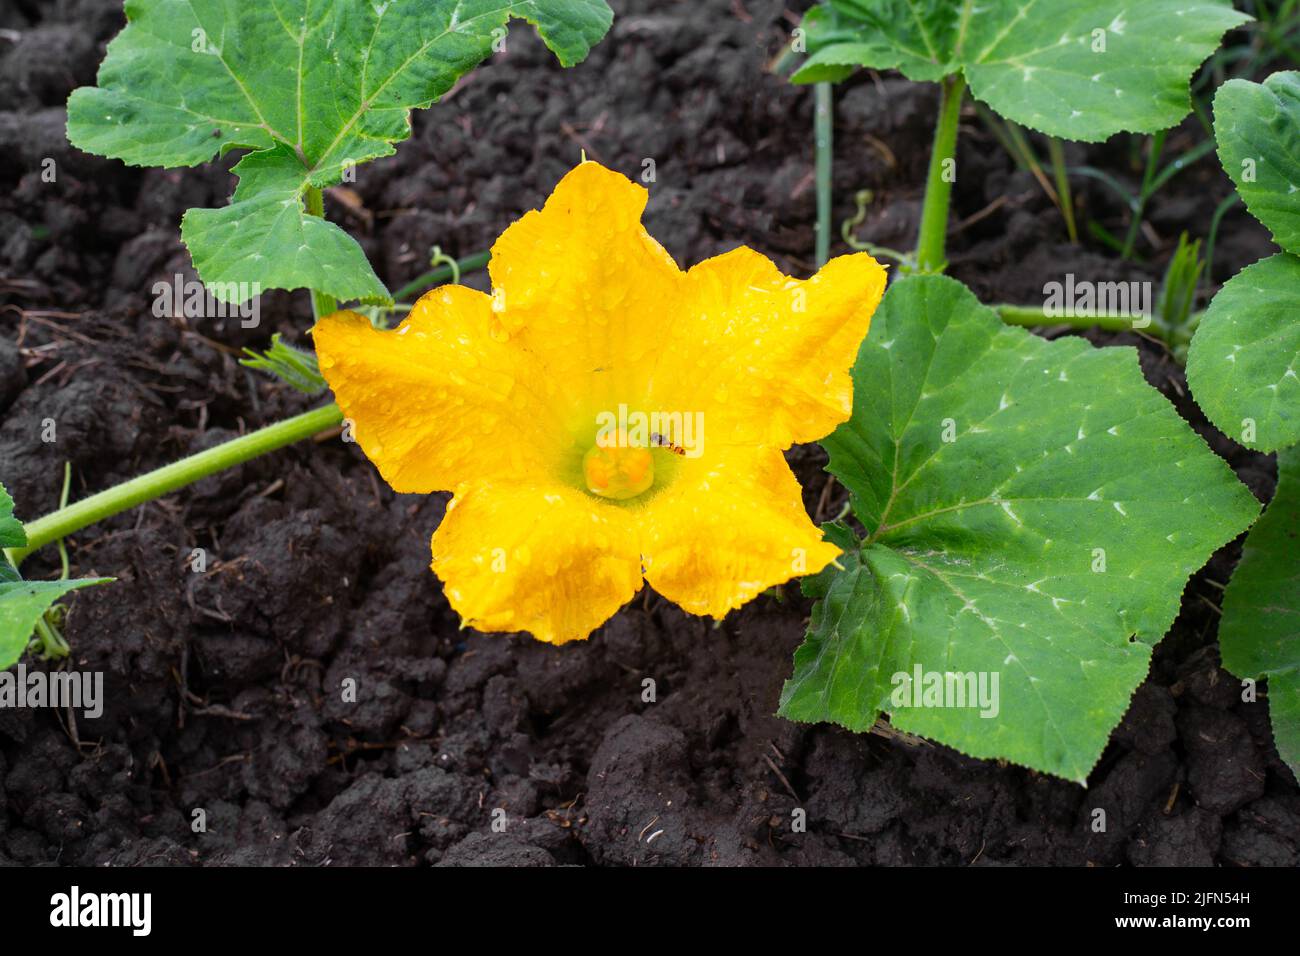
617 471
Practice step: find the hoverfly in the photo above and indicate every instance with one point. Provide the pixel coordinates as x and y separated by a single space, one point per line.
659 441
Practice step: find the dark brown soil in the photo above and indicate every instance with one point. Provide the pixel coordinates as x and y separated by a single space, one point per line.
223 686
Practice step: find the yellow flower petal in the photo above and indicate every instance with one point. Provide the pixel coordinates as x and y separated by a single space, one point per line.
582 285
548 560
766 357
438 401
504 398
730 527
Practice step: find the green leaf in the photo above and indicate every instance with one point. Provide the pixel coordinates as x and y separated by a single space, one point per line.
1245 356
21 605
294 366
12 534
23 602
834 63
1242 364
1033 510
1078 69
313 87
1257 127
913 36
842 536
1260 631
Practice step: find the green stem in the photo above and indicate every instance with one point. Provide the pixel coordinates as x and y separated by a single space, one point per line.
1057 154
1033 316
933 236
162 481
442 273
63 503
823 135
321 303
1219 211
785 61
52 645
1153 159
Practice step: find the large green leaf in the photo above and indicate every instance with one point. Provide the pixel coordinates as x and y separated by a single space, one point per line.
313 87
1257 127
1243 362
1033 510
1260 630
23 602
1245 357
1079 69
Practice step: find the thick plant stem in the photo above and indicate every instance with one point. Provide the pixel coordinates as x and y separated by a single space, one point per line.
321 304
162 481
823 134
1033 316
933 236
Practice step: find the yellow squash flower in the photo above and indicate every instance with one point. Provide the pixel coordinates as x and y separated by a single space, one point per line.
605 417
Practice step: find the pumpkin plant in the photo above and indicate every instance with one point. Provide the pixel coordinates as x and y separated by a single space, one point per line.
1242 367
1020 504
1074 69
310 90
1020 501
1024 510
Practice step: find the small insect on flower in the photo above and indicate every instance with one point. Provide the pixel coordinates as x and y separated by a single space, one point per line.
556 521
660 441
